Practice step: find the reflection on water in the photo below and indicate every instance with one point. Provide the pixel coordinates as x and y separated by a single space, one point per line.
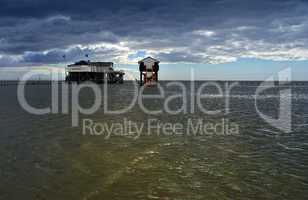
43 157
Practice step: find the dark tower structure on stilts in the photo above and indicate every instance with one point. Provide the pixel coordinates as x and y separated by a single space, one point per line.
148 68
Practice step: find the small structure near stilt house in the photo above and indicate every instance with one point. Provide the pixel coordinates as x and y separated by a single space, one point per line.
98 72
148 68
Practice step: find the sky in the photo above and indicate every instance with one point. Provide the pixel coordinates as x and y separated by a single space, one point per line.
218 39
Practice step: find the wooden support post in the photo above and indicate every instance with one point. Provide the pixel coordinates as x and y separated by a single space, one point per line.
141 81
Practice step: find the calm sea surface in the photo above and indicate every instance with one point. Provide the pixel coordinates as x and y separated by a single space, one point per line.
44 157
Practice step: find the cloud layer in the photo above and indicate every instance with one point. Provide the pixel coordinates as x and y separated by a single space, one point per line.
41 32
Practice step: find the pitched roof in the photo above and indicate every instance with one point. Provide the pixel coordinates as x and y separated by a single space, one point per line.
96 64
147 58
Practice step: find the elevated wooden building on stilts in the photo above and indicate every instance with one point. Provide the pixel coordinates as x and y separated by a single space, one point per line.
98 72
148 68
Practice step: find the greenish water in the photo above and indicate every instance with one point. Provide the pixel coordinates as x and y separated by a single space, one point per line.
44 157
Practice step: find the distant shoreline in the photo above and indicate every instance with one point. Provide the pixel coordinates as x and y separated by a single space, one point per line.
48 82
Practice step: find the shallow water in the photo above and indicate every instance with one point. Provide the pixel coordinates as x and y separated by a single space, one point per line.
44 157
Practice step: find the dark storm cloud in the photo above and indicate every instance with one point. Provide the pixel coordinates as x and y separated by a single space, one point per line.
40 31
58 56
